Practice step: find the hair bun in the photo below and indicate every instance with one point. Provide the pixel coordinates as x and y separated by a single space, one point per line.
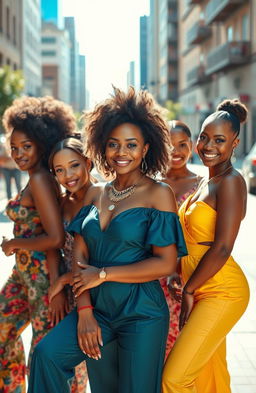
234 107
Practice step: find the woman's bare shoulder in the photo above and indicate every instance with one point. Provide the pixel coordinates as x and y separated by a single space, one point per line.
162 196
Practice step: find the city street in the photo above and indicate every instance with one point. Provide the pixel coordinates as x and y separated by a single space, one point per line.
242 340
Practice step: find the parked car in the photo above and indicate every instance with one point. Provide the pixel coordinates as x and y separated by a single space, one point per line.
249 170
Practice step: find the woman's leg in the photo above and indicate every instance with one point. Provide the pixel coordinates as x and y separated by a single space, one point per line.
14 318
208 324
141 351
56 355
214 377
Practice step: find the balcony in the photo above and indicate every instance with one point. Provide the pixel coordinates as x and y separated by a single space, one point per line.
229 55
197 76
198 33
219 10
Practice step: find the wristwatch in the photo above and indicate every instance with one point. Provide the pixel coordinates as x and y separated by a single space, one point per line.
103 274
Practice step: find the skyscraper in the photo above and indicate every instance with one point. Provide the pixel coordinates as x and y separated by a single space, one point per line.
143 51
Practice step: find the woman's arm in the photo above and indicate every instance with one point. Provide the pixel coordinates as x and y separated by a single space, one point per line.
46 203
230 208
88 330
58 306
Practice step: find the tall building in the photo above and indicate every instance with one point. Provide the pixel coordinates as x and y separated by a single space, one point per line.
74 62
30 38
55 51
10 43
52 12
131 74
153 49
163 55
143 51
218 60
82 84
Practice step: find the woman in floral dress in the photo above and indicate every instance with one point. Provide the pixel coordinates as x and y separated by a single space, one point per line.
183 183
34 126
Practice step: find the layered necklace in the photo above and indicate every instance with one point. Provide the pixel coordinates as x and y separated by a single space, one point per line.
116 196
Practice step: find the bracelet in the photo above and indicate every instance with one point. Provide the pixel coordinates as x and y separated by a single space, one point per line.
84 307
187 292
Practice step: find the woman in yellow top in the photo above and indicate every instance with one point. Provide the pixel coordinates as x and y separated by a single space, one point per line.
216 292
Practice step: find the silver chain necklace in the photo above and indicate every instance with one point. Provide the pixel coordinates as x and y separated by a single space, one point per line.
117 196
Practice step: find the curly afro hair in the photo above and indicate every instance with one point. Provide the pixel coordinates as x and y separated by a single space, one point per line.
139 109
44 120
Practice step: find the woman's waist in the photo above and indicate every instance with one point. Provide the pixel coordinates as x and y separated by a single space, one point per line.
105 262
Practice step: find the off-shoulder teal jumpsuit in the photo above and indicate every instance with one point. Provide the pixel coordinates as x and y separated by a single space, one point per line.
134 317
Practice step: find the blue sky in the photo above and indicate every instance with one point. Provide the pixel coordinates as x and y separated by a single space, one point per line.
108 34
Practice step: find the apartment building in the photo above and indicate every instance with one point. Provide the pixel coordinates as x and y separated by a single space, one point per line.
30 35
217 60
163 50
10 43
55 52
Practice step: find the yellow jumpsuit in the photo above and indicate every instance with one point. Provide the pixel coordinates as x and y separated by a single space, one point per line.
197 362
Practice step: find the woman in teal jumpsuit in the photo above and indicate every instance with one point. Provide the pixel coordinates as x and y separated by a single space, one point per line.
126 237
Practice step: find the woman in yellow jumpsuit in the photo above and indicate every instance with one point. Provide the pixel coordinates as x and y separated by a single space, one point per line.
216 292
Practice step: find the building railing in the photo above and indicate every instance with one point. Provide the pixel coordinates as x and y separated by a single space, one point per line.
230 54
219 10
198 33
197 75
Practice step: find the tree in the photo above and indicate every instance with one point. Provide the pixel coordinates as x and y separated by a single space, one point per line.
173 110
11 87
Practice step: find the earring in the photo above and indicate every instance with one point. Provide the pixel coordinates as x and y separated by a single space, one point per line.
144 165
233 157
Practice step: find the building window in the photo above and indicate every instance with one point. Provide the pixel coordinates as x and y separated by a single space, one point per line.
8 22
14 30
49 53
230 33
245 28
48 40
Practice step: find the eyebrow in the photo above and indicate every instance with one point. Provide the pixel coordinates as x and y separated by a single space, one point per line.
70 162
26 140
127 139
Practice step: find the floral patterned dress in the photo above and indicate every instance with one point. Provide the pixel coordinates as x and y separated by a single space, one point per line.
23 300
174 306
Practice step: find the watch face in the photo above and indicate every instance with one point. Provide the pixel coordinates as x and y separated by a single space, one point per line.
103 274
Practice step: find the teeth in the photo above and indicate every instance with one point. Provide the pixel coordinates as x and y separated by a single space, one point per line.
210 155
71 183
176 159
122 162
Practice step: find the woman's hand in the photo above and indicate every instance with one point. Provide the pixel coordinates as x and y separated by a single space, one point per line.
187 304
59 285
8 247
89 334
58 308
86 279
175 287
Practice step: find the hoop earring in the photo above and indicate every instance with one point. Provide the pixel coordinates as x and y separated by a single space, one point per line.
144 165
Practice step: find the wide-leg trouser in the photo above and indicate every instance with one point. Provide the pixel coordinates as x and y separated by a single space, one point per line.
197 362
132 356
